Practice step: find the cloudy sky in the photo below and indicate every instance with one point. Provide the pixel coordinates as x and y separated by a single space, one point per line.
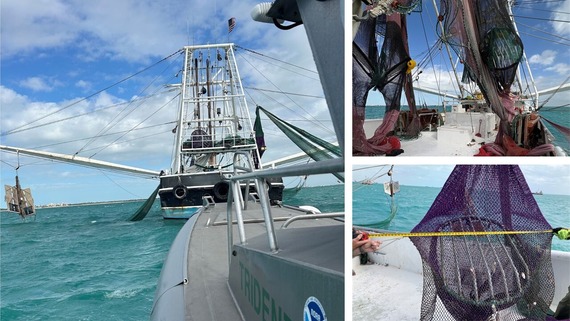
60 59
550 179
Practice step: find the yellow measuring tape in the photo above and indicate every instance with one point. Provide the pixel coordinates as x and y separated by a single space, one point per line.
466 233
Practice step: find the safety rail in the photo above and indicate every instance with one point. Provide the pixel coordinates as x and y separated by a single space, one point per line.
310 217
247 173
253 220
237 202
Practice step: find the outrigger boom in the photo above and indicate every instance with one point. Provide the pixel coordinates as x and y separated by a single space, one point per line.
79 160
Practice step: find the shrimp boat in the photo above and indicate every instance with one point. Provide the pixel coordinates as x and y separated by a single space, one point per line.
20 200
249 259
495 110
213 125
459 264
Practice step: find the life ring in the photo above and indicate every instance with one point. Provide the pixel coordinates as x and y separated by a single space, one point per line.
179 192
221 190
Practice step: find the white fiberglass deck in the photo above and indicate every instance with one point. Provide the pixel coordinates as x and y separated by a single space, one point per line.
385 293
391 287
448 140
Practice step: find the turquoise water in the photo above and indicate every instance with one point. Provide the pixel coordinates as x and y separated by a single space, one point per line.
371 204
82 263
88 263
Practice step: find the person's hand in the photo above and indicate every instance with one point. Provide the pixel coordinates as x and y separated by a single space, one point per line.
360 246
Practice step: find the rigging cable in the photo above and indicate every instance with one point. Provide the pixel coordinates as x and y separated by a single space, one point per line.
546 33
542 19
133 128
284 92
429 53
92 95
108 134
88 112
281 61
554 93
116 119
327 129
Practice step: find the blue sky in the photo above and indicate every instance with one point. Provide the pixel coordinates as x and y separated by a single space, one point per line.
548 178
54 53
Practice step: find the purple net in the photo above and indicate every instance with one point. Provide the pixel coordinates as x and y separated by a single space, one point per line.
505 277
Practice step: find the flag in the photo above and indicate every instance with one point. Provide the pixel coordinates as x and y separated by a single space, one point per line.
259 135
231 24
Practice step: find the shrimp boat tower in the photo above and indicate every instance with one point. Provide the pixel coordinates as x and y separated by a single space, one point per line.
213 125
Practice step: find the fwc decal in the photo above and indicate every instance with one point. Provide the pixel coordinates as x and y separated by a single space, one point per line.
314 311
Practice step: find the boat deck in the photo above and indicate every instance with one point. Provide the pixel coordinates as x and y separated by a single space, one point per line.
382 292
206 294
208 263
391 287
447 140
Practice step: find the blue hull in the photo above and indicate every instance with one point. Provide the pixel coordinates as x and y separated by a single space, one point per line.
180 212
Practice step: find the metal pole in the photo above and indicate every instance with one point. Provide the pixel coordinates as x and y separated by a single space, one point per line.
264 201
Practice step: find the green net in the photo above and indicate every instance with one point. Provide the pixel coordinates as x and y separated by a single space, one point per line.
315 147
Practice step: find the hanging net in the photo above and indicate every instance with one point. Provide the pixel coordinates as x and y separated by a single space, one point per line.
315 147
489 277
387 71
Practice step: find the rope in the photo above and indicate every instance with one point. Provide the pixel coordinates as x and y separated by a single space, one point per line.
281 61
554 93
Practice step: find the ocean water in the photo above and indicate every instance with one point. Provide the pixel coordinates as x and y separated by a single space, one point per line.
558 115
370 204
87 263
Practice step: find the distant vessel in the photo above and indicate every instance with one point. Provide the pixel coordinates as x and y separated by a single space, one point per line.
20 200
537 193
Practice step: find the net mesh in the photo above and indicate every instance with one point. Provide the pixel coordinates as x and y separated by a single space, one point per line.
384 69
489 277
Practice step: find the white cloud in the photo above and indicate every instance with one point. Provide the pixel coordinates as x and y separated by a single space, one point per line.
562 14
547 57
83 46
560 68
85 85
29 25
37 84
123 30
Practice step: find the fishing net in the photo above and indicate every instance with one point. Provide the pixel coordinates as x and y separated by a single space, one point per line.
385 70
316 148
495 39
488 277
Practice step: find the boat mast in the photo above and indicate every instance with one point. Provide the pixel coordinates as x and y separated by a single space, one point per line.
213 119
535 98
212 161
176 162
444 38
19 197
